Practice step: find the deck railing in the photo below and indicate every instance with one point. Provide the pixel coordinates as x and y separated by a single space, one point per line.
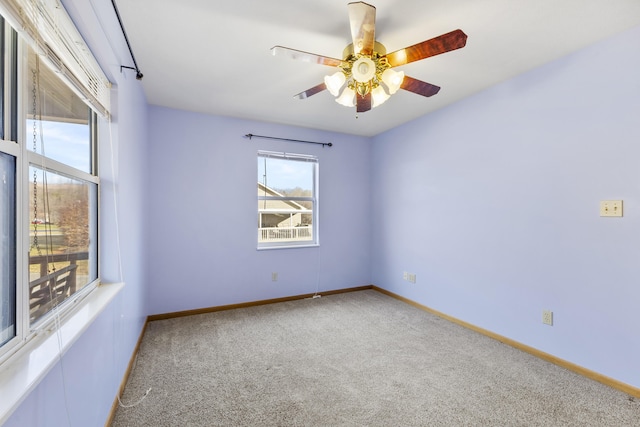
51 289
282 234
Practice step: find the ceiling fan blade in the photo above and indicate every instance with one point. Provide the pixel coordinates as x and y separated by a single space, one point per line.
419 87
363 103
310 92
441 44
305 56
362 17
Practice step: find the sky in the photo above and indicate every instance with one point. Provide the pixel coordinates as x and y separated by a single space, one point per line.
286 174
68 143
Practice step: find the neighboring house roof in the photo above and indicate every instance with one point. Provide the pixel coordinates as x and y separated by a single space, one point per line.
276 205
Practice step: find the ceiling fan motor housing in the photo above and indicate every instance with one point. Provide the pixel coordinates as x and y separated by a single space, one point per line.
364 69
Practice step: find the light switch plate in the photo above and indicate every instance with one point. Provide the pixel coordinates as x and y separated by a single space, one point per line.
611 208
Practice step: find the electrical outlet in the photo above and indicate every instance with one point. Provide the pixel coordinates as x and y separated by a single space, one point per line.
274 277
409 277
547 317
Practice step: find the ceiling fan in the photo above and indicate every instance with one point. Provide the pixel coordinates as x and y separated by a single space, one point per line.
366 69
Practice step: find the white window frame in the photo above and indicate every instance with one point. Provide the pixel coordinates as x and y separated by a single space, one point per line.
314 199
13 149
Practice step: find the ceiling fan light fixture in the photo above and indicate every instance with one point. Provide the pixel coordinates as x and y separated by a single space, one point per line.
366 69
347 98
363 70
334 82
393 79
378 96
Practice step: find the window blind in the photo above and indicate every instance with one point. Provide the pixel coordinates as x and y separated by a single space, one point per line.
46 25
288 156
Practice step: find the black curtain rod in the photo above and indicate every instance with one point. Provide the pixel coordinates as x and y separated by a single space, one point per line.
139 75
250 135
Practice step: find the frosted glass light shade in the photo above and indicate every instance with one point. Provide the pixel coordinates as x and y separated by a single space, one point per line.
378 96
393 79
347 98
363 70
334 82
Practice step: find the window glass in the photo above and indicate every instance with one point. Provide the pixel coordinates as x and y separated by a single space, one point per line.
287 199
62 248
58 120
62 201
7 248
2 77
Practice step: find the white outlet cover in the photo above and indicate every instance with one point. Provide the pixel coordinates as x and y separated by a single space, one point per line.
547 317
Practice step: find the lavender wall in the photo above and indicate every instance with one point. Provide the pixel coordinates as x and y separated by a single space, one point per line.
80 389
494 204
203 213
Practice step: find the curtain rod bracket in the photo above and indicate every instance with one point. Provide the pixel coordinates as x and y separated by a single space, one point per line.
139 75
250 135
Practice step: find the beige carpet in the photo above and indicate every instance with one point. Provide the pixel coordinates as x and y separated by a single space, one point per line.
355 359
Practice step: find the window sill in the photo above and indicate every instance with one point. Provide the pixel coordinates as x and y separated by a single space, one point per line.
22 372
268 248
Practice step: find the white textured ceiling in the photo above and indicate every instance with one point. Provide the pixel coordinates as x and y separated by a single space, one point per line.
214 56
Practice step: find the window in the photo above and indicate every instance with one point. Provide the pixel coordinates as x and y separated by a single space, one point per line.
287 200
48 170
63 193
7 248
